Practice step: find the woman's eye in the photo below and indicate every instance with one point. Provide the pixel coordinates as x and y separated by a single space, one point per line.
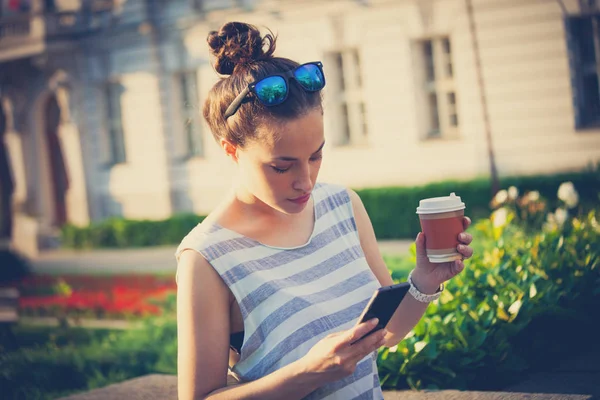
279 170
317 158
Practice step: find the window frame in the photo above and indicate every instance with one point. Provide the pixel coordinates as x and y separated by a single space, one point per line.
348 97
583 120
189 116
115 130
439 83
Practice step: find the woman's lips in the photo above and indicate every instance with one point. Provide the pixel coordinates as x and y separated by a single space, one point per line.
302 199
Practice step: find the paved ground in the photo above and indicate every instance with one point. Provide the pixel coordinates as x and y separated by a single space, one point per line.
152 259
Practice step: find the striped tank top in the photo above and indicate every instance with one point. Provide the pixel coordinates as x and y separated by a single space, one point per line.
290 298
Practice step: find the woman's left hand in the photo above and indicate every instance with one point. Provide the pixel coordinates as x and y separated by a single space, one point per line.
428 276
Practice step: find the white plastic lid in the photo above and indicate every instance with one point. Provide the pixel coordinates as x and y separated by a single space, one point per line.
436 205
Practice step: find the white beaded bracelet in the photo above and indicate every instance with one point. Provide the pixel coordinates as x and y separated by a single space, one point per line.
420 296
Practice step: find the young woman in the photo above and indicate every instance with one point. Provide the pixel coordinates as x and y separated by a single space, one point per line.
285 264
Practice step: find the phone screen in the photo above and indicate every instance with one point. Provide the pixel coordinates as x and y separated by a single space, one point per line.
382 305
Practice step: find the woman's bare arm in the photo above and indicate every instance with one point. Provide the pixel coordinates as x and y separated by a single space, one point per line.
427 276
202 327
410 311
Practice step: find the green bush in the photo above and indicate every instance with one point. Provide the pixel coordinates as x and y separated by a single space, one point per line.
512 309
121 233
393 209
81 361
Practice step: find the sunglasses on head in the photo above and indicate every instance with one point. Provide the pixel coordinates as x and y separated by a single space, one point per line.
274 89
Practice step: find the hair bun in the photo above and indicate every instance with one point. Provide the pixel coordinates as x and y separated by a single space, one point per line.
238 43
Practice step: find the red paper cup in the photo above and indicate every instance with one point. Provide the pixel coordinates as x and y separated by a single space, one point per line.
442 221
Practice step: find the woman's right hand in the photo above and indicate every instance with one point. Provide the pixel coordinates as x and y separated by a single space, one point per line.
334 357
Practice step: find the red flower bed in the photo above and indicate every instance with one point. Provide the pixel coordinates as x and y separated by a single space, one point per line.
115 296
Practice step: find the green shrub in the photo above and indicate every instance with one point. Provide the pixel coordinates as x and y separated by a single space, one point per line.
399 266
121 233
507 312
82 361
393 209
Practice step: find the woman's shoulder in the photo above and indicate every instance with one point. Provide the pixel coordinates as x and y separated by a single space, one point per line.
197 238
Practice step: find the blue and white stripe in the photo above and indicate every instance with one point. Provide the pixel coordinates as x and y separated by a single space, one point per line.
290 298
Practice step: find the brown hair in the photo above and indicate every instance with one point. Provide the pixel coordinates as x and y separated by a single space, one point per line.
239 52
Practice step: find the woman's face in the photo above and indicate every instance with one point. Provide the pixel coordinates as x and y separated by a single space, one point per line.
282 172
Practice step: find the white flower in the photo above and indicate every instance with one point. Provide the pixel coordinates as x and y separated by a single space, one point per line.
501 197
513 192
568 194
499 217
533 195
419 346
550 225
393 349
572 200
595 224
560 216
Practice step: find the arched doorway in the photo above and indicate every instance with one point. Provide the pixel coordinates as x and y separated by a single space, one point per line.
6 185
59 180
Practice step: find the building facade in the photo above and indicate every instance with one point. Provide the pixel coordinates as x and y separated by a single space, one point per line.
101 99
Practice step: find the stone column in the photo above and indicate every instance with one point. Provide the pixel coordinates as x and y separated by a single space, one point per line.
25 227
70 143
76 202
14 148
76 195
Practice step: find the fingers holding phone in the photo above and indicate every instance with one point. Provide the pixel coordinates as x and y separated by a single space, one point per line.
335 357
359 345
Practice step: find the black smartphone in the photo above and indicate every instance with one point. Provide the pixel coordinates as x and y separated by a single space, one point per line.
382 305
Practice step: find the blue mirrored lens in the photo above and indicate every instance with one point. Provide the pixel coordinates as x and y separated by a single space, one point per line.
272 90
310 77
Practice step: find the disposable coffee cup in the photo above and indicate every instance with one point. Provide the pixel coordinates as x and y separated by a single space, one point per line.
442 221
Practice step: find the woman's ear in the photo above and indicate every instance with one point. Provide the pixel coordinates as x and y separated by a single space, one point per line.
230 149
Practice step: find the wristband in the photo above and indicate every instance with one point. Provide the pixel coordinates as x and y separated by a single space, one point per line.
420 296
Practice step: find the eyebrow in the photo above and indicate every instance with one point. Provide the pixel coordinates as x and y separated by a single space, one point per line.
284 158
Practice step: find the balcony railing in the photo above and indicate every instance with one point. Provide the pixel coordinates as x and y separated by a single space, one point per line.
21 33
29 33
92 16
74 23
15 27
21 36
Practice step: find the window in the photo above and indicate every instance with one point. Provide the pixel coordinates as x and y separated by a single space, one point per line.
114 91
189 111
583 40
436 76
345 88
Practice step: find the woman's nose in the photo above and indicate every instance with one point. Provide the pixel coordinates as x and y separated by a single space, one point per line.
303 181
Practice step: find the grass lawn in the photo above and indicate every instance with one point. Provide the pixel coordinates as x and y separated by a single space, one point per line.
31 336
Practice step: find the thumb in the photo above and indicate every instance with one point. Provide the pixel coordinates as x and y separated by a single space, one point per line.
420 243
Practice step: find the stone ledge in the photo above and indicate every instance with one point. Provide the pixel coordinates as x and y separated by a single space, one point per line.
149 387
164 387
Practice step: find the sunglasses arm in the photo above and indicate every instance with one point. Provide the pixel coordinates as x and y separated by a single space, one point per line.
235 104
